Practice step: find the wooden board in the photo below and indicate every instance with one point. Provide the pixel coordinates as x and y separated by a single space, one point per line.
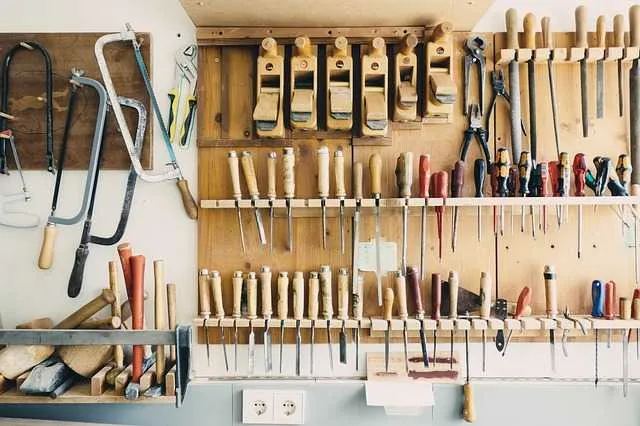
27 83
438 372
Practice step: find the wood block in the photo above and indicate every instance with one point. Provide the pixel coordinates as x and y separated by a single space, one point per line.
122 380
148 379
170 382
438 373
98 381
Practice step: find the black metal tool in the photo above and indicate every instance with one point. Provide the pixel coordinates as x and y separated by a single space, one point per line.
501 314
474 47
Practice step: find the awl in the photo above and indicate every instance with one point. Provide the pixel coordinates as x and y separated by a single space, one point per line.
234 169
551 296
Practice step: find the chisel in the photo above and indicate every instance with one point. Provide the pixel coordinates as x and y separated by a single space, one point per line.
524 175
357 315
401 291
597 311
267 311
341 192
479 174
323 188
581 42
249 173
327 305
503 164
618 41
514 84
237 282
271 192
601 41
234 169
625 314
547 42
551 296
216 291
440 190
314 290
530 43
414 284
288 176
375 169
485 311
634 100
436 300
404 178
283 309
357 194
252 314
579 171
453 308
204 300
298 312
424 178
388 307
468 408
457 182
343 311
609 306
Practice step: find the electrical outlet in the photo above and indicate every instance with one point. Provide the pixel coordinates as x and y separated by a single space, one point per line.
257 407
288 407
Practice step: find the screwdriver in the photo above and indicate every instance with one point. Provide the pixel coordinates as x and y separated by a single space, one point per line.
327 305
267 311
609 306
440 186
355 248
551 296
204 302
288 176
414 284
564 182
502 176
494 193
457 182
323 188
479 171
453 308
404 177
298 312
237 283
485 311
554 175
252 307
283 308
341 192
424 177
543 190
579 172
436 300
597 311
271 193
343 310
401 291
357 315
388 306
512 185
635 314
375 169
252 185
314 291
524 173
524 301
234 169
468 410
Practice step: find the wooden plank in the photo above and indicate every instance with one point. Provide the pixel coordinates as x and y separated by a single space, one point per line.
67 51
237 92
209 59
148 379
122 380
98 381
170 382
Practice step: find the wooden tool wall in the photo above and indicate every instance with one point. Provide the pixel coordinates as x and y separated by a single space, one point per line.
226 101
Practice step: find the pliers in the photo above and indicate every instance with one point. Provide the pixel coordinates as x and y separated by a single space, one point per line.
565 332
474 47
499 89
475 129
182 96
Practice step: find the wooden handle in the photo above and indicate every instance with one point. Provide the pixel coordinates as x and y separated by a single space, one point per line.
551 291
436 296
469 409
204 297
357 181
547 35
303 46
409 42
581 27
375 168
635 309
171 308
453 294
625 308
424 175
609 300
288 175
298 295
413 281
116 311
404 174
125 252
271 175
601 31
105 298
377 47
265 288
236 283
323 172
524 303
234 169
326 288
388 303
189 203
252 296
485 295
249 173
634 26
216 291
137 311
160 312
512 29
38 323
314 291
338 169
45 260
343 294
357 298
618 31
111 322
441 32
529 26
340 45
269 47
283 295
401 291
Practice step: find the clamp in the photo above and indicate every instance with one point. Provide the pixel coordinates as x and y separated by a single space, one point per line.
474 46
475 129
565 332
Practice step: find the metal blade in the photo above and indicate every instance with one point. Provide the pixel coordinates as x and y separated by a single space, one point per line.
405 346
271 227
405 226
599 89
235 346
298 343
625 362
554 106
451 352
620 89
423 345
357 339
289 226
261 234
506 344
252 351
552 348
423 241
324 224
313 341
514 110
206 342
329 344
342 226
533 134
484 351
343 345
224 349
266 338
281 343
355 251
244 248
386 350
584 94
378 258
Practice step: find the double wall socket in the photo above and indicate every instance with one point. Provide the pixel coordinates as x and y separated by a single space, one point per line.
273 407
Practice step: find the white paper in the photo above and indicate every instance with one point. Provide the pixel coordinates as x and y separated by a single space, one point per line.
399 394
388 256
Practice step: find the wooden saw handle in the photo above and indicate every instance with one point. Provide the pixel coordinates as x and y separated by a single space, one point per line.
338 169
343 294
314 291
105 298
45 260
581 27
298 295
252 296
512 28
529 31
265 288
323 172
189 203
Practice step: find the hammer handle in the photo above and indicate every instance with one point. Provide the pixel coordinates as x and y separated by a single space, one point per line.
105 298
137 311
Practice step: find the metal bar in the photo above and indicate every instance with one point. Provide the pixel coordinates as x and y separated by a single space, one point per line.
87 337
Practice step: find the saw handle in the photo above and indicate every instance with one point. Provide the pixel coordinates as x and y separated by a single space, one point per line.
45 260
77 272
298 295
512 28
529 25
189 203
436 296
581 27
424 175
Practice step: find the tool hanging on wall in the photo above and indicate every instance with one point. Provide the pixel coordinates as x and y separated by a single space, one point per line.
405 106
601 42
388 315
174 172
582 43
579 172
323 188
204 307
530 43
597 311
312 307
327 305
304 85
339 85
413 281
514 84
468 408
374 90
547 42
298 312
401 291
522 307
234 170
289 187
48 100
551 297
267 114
440 187
82 252
499 90
485 312
271 193
283 309
618 41
182 96
436 300
424 180
252 314
237 284
454 286
474 47
341 192
267 312
457 182
10 217
343 311
358 308
355 246
375 169
440 88
634 100
404 179
249 173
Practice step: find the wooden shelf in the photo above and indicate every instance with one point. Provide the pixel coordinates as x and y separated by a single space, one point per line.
569 55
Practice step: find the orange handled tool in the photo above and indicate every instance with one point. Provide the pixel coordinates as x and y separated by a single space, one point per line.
137 311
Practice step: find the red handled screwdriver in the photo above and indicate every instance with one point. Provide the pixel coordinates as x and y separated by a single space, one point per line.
424 176
457 182
440 187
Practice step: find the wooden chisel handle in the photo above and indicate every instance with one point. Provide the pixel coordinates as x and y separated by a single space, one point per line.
45 260
551 291
529 25
357 299
625 308
581 27
137 311
401 291
338 169
171 308
283 295
160 313
601 32
288 174
189 203
436 296
234 170
265 288
204 297
512 28
375 169
323 172
634 26
404 174
314 291
216 292
453 294
618 31
388 303
249 172
298 295
485 295
609 300
237 282
125 252
635 304
326 291
357 181
343 294
116 310
416 293
105 298
252 296
547 35
468 410
271 175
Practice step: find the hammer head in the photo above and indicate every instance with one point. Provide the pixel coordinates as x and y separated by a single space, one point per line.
132 391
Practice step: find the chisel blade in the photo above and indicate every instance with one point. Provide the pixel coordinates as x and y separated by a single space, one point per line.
584 95
423 345
342 226
271 226
235 346
281 344
289 226
252 351
405 344
625 362
329 344
244 248
599 89
357 339
224 349
552 348
378 255
312 349
386 349
298 344
206 342
261 234
343 345
324 224
266 338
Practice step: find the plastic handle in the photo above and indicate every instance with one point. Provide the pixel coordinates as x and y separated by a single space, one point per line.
188 202
454 285
529 31
512 181
543 173
479 174
237 282
357 181
424 175
551 291
625 308
413 282
436 296
45 260
618 31
512 29
457 179
401 291
234 169
216 290
609 300
343 294
485 295
204 298
554 175
524 300
283 295
357 299
503 165
265 288
326 291
314 291
524 172
564 175
323 172
288 172
338 170
252 296
440 184
579 172
298 295
623 170
581 27
249 173
597 299
601 32
547 35
271 175
375 168
388 303
77 272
